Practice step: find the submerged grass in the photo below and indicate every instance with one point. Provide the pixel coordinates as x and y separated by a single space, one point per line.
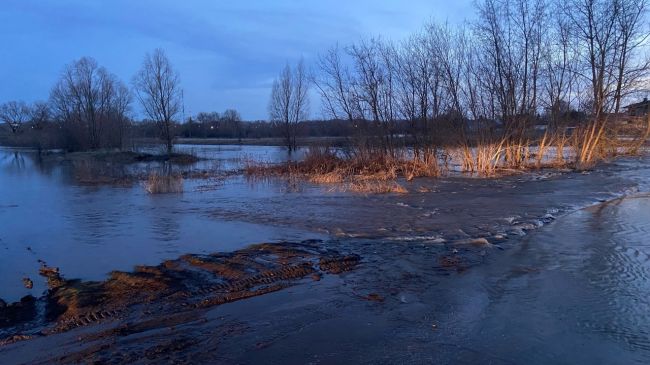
375 187
377 170
361 172
577 148
164 184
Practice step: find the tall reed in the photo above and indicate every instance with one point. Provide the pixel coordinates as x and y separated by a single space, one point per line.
164 184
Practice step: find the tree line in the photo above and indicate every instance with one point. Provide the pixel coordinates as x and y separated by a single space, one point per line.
90 108
495 78
518 60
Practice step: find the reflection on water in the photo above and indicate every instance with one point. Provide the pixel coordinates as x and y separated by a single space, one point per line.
165 227
80 217
229 156
13 161
576 292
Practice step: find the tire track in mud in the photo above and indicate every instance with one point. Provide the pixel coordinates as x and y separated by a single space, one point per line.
83 320
191 282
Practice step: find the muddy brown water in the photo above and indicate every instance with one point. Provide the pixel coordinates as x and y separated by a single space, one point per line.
555 283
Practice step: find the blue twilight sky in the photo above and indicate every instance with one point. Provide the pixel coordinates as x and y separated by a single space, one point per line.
227 52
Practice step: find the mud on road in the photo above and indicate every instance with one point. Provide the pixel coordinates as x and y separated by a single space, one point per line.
167 294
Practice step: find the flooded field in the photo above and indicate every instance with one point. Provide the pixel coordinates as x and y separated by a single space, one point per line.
544 267
67 215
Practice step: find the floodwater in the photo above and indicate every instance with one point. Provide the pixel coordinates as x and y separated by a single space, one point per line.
564 277
88 230
576 292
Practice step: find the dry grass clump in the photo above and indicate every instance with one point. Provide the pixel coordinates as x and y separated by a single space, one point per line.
575 147
492 157
164 184
483 159
608 138
325 166
333 177
367 169
375 187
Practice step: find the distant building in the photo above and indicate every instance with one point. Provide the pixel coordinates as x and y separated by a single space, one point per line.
639 109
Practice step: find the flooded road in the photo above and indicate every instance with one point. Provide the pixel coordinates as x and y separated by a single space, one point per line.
531 268
574 292
577 291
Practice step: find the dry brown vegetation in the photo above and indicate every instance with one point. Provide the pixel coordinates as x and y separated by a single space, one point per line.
375 187
377 171
164 184
525 85
578 147
358 172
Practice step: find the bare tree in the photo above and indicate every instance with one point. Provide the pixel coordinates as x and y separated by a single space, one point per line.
85 100
233 122
39 114
121 107
14 114
158 89
376 85
594 24
334 83
289 105
510 34
280 106
418 91
493 78
631 67
39 120
560 66
369 78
